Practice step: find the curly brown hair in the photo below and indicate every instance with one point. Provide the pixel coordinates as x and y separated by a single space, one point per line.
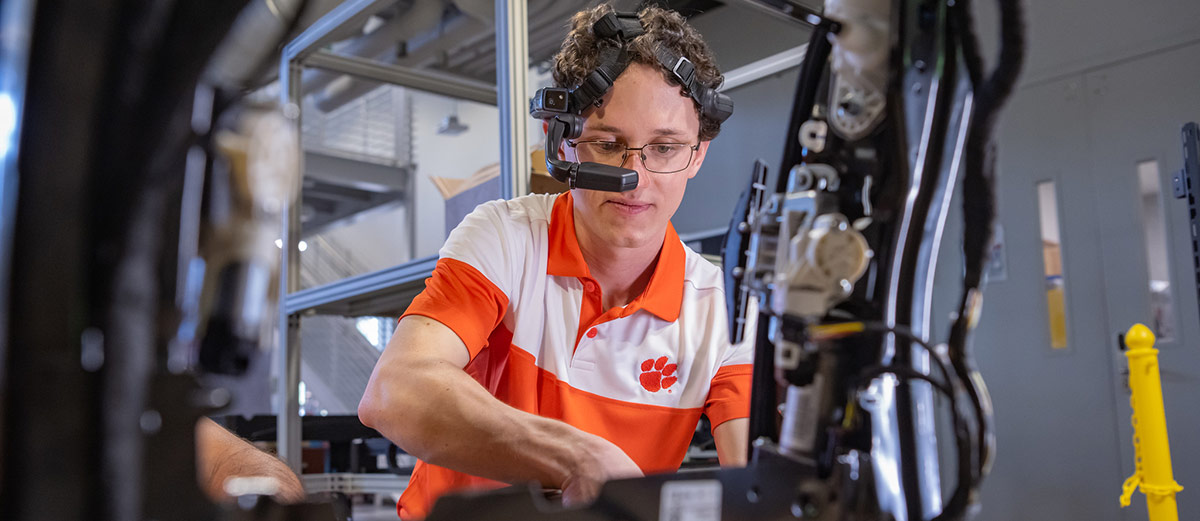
580 52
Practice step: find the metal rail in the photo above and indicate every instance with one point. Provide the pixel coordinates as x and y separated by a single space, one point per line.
512 74
348 483
420 79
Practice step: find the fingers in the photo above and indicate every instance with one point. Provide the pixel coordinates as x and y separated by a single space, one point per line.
578 492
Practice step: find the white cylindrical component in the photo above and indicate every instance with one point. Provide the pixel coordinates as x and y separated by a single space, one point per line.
798 434
858 62
860 49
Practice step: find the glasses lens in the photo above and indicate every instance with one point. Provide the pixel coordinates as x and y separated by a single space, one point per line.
605 153
667 157
659 157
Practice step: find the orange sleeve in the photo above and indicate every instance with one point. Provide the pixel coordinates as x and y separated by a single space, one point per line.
463 299
729 394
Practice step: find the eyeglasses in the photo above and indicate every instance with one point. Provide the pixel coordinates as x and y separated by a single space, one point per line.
660 158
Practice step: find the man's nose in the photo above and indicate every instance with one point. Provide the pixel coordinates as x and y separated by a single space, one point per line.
638 165
629 159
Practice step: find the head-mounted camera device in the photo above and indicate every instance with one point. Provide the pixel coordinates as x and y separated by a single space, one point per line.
562 108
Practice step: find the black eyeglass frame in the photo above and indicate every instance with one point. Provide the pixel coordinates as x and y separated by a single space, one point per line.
625 155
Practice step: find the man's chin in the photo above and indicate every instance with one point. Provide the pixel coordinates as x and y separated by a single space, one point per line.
633 238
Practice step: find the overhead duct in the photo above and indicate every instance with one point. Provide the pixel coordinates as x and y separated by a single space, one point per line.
545 38
243 60
430 47
460 35
547 28
482 10
404 20
546 19
243 53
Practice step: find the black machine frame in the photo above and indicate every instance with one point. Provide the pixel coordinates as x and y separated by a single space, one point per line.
1185 183
117 100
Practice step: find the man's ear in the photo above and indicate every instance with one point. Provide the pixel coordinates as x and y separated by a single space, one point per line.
698 160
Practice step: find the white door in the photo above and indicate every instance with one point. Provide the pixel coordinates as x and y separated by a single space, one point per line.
1078 212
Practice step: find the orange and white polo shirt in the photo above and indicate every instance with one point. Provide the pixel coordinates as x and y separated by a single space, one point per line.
513 284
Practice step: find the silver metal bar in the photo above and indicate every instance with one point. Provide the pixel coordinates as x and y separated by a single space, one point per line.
414 23
703 234
420 79
410 212
404 142
324 30
924 398
512 76
757 70
349 483
405 278
287 419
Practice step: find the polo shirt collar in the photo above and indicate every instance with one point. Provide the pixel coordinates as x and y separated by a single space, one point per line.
663 295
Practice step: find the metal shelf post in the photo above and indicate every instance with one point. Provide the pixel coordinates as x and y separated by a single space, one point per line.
288 334
512 77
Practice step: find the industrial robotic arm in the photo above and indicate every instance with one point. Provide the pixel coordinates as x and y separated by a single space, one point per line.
892 107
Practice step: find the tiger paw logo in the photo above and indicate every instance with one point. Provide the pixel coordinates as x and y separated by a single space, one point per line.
658 374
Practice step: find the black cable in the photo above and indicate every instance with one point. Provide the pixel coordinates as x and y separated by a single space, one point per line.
961 18
971 470
950 387
907 334
979 199
908 373
962 437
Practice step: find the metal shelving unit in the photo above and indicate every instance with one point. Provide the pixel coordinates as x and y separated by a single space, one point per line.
390 290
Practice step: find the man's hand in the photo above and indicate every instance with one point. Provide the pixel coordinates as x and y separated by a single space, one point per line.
220 455
599 462
420 397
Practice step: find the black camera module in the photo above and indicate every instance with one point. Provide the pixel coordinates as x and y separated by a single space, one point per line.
556 100
550 101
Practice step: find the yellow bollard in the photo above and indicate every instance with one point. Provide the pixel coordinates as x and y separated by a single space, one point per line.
1152 451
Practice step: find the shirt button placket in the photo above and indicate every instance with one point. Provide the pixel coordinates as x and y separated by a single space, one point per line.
590 291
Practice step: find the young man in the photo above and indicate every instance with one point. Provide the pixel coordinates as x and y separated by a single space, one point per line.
573 339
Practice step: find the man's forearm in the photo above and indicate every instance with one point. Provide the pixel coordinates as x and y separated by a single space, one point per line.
437 412
221 455
420 397
732 439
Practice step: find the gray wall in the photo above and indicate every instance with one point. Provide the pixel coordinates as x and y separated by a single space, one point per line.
1108 84
737 36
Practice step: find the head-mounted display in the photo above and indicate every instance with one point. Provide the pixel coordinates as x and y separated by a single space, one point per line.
562 108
